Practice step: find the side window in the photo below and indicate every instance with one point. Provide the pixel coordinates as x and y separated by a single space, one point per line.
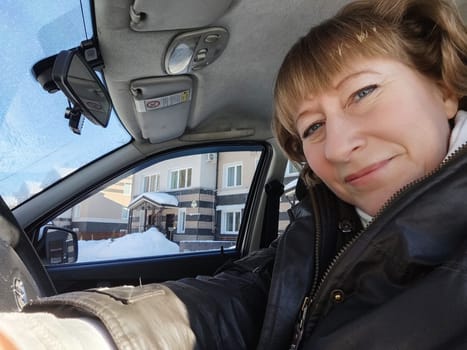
233 175
288 199
185 204
291 170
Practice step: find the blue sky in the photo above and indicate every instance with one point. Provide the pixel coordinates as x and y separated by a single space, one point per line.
34 135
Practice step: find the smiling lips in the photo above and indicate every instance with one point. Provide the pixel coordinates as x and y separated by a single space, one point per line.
355 177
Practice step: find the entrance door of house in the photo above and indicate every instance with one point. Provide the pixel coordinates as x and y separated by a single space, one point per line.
169 225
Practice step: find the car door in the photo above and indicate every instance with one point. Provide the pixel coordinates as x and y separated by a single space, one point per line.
174 215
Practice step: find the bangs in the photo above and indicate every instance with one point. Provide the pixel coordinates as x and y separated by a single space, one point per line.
329 49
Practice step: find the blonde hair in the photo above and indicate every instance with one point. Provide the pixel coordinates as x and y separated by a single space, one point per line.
427 35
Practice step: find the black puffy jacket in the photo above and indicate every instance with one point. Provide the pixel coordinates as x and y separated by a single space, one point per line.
324 284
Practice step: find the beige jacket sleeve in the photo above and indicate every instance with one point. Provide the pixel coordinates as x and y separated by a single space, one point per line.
44 331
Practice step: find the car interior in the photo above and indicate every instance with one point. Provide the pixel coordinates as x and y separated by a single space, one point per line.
186 79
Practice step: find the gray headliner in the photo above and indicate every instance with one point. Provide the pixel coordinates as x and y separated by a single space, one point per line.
235 92
235 89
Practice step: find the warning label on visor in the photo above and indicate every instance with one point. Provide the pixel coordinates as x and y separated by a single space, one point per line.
162 101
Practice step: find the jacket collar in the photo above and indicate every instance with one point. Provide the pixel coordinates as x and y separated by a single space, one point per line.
320 224
459 133
418 230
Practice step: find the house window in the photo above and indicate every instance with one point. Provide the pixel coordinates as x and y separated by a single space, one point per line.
180 178
76 211
181 221
233 175
125 213
291 169
231 221
127 189
151 183
141 222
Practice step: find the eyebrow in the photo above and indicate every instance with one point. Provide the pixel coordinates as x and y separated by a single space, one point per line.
353 75
299 115
340 82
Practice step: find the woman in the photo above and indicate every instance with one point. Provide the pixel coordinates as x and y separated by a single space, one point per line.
375 255
367 100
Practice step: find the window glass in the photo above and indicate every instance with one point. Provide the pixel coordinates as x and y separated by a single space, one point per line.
124 213
76 211
188 178
233 175
230 176
126 188
165 210
288 198
180 178
232 221
229 221
174 179
238 179
291 169
181 220
37 147
151 183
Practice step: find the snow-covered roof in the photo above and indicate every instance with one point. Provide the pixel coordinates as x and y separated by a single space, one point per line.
160 199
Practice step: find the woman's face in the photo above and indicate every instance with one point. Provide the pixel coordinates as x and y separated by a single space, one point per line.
379 126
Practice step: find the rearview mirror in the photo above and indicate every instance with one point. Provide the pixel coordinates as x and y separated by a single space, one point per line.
61 245
78 81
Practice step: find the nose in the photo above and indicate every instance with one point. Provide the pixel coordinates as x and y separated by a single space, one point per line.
344 137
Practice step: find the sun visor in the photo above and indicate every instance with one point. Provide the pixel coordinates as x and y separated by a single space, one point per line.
162 106
151 15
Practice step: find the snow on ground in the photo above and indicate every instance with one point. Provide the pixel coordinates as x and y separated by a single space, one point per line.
149 243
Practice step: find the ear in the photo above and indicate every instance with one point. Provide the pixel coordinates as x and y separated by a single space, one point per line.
450 102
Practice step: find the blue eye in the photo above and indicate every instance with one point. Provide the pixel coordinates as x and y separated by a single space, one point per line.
312 129
364 92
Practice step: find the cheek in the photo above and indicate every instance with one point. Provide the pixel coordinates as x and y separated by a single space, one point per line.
315 158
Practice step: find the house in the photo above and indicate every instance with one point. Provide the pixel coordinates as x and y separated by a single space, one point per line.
191 180
105 214
194 198
211 190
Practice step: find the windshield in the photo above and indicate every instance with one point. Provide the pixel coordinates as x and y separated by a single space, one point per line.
37 146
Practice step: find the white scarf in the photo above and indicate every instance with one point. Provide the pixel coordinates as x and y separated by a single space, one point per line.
457 139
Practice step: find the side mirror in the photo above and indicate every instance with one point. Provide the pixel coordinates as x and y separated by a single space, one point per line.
61 245
80 83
